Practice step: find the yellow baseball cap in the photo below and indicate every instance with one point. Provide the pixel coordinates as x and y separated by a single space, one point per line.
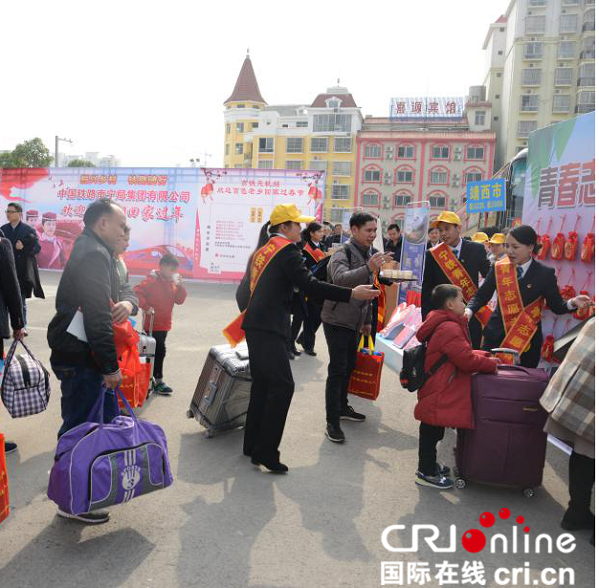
498 239
480 237
447 217
284 213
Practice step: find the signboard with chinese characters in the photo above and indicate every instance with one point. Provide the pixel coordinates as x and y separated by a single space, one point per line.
485 196
559 203
208 218
427 107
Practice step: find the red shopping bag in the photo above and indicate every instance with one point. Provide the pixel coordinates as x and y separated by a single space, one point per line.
365 380
4 509
134 378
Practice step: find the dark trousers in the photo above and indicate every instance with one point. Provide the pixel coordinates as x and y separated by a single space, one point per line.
270 396
296 325
160 337
476 332
311 324
581 476
427 448
81 387
343 345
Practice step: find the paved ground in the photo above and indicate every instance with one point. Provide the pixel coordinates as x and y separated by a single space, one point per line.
225 524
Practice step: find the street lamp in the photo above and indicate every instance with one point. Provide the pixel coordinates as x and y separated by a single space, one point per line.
56 140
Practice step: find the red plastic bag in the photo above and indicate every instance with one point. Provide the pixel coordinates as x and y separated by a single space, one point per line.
365 380
4 507
135 376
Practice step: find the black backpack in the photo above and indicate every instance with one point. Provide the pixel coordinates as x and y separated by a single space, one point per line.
412 374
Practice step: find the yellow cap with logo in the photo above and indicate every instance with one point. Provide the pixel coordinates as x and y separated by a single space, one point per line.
498 239
284 213
480 237
447 217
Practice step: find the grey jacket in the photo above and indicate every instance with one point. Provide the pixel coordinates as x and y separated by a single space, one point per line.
349 273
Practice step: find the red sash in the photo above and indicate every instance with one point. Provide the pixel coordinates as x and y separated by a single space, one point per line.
382 303
456 273
519 323
234 331
316 254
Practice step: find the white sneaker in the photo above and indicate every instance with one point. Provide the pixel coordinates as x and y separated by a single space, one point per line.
89 518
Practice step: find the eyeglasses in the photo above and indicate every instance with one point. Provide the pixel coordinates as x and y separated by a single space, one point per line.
10 211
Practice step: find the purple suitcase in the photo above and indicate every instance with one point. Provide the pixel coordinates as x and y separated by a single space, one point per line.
507 445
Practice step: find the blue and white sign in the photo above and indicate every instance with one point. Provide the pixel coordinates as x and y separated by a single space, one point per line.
485 196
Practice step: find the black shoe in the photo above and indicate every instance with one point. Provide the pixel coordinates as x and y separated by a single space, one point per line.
291 355
310 352
295 350
349 414
276 467
576 522
334 433
9 447
89 518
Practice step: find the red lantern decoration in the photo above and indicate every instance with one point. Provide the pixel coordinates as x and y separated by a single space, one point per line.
547 348
557 249
571 246
584 313
568 290
588 247
545 242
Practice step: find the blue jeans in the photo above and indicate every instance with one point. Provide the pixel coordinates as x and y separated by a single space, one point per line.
81 387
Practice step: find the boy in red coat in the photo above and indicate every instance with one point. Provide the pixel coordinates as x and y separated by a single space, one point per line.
445 399
161 290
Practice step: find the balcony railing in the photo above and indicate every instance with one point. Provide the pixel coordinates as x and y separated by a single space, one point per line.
588 26
583 108
588 54
586 82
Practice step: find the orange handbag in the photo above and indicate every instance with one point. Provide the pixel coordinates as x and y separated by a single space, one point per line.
4 508
365 380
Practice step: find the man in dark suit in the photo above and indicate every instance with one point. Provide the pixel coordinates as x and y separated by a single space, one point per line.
472 256
394 242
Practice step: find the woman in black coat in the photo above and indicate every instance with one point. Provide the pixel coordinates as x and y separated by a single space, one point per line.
535 280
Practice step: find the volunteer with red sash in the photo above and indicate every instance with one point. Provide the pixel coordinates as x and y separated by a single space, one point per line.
313 252
523 286
276 267
458 262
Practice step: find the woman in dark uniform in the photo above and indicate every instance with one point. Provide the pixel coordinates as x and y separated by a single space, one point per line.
313 251
266 326
534 281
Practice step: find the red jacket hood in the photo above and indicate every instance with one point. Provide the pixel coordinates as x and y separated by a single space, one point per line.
434 319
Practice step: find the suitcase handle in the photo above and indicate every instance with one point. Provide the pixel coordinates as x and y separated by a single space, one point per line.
507 366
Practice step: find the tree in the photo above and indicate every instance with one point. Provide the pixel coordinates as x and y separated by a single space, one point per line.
32 153
80 163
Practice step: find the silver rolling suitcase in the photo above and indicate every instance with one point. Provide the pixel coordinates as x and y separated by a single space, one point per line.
147 345
222 394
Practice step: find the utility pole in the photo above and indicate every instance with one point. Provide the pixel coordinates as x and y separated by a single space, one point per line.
56 140
206 157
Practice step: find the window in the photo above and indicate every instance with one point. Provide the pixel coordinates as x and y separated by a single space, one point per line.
254 125
534 25
340 191
372 175
533 51
588 21
239 127
525 127
342 168
228 127
531 77
586 75
561 103
301 124
405 152
266 145
473 176
295 145
296 164
563 76
318 165
265 164
332 122
585 102
370 199
566 50
227 149
475 152
405 176
437 201
238 148
440 152
438 176
240 106
372 150
402 199
342 145
336 214
237 166
319 145
537 2
588 48
568 23
529 103
479 117
570 2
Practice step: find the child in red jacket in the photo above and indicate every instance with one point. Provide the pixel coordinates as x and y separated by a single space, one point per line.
445 399
161 290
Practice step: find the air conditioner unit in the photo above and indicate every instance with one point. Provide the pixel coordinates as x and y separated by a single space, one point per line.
457 156
386 199
387 181
389 155
457 149
335 181
389 148
387 175
455 184
385 206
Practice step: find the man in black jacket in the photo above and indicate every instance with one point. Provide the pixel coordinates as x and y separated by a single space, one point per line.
472 256
26 246
90 283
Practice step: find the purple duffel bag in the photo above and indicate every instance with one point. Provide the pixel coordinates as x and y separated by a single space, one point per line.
98 465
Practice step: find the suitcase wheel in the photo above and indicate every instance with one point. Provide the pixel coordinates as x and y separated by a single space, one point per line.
529 492
189 414
460 483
